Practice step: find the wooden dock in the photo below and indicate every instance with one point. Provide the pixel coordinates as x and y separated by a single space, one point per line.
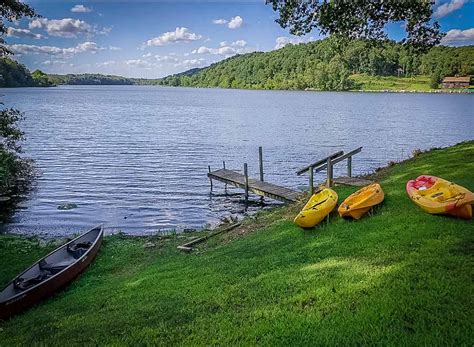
352 181
255 186
273 191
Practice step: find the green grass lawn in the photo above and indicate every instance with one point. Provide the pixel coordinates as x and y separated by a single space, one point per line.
381 83
398 277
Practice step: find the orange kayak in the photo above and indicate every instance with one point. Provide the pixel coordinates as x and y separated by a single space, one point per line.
359 203
438 196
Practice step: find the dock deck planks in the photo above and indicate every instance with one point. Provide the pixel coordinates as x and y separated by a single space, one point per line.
352 181
255 186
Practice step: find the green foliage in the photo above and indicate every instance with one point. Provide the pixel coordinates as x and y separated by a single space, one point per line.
326 65
14 74
435 79
89 79
361 19
41 79
391 83
12 166
398 277
12 10
448 61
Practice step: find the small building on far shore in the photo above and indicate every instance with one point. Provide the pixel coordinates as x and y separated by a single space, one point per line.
456 82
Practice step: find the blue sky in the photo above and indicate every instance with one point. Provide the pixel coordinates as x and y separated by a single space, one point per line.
156 38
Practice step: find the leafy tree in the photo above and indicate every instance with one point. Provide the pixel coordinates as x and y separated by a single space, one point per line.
12 10
41 79
11 165
435 79
13 74
360 18
326 65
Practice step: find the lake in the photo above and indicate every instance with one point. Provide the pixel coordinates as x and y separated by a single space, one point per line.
136 157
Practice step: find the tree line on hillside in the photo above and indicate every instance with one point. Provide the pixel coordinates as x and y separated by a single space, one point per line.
327 65
14 74
90 79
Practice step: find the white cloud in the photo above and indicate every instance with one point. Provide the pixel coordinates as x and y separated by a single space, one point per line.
114 48
191 63
140 63
23 33
53 62
456 37
224 48
66 27
107 63
81 9
147 61
88 46
219 21
170 58
166 58
282 41
104 31
448 7
235 23
180 34
239 43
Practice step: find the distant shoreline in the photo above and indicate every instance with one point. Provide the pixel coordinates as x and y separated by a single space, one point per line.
402 91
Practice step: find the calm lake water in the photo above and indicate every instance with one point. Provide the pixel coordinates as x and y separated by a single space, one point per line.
136 157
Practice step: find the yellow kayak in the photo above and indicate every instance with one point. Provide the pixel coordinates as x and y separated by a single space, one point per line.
317 208
360 202
438 196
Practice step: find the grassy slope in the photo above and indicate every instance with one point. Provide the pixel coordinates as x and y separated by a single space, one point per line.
381 83
398 277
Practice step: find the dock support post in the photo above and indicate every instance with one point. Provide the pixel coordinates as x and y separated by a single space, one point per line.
349 167
246 183
330 173
311 183
260 161
225 186
210 179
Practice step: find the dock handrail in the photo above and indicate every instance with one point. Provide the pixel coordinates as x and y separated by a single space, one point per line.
339 159
319 162
328 163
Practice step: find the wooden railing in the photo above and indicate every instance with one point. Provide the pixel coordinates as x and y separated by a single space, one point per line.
328 163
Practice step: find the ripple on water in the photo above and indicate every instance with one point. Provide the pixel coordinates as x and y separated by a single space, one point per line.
135 157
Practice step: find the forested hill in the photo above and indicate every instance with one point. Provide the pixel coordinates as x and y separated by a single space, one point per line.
328 65
90 79
322 65
14 74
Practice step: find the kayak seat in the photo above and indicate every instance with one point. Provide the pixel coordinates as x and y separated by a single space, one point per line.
77 250
25 283
54 268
